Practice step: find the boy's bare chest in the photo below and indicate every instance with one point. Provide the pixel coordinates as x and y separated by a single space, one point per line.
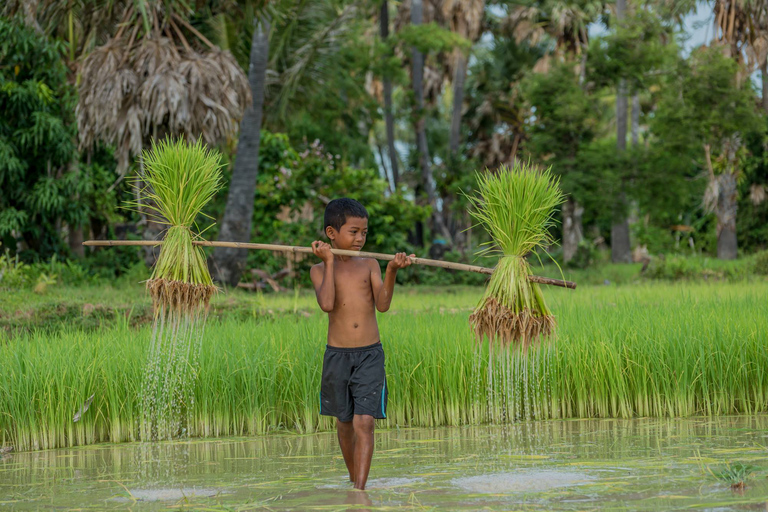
353 282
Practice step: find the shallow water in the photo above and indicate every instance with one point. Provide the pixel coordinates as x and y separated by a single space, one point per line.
647 464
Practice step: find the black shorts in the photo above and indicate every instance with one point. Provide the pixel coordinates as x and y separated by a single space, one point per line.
354 382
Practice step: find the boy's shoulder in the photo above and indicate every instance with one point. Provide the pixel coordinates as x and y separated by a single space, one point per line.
371 262
318 266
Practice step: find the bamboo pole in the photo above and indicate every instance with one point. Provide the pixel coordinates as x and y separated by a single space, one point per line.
339 252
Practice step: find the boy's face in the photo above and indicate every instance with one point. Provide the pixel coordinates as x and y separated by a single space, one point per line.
351 236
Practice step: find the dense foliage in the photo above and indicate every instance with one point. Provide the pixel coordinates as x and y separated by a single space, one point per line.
38 172
540 85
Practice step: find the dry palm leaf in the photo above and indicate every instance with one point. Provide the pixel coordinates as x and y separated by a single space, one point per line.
149 83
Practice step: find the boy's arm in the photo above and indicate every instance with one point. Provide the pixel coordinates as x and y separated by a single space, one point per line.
322 276
383 290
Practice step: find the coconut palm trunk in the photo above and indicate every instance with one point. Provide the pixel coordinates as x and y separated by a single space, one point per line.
459 77
620 246
389 117
573 232
238 214
427 178
721 197
764 76
635 120
725 210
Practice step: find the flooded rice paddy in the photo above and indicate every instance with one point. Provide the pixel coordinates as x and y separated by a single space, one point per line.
643 464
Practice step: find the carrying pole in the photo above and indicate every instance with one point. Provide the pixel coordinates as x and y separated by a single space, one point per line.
339 252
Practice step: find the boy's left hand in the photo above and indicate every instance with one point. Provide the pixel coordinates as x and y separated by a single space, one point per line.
401 261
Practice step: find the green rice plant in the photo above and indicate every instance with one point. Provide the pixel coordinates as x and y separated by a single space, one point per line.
662 350
516 205
735 474
180 180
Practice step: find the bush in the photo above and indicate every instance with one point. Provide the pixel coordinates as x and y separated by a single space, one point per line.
678 267
586 254
37 187
13 272
760 265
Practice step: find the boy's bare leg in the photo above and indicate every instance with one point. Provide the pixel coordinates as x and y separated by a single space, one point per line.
364 424
346 433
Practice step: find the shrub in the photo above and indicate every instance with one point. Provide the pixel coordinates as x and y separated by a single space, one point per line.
586 254
677 267
760 265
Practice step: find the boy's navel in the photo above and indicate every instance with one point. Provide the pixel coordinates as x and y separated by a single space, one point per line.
355 326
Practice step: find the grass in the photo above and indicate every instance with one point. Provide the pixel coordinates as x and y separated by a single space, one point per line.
735 474
23 309
646 350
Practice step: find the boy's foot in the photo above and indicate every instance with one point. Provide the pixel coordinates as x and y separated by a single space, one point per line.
358 497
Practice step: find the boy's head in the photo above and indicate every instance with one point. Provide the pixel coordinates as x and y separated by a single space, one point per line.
346 224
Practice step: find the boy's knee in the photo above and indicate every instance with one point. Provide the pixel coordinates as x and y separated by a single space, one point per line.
344 425
364 423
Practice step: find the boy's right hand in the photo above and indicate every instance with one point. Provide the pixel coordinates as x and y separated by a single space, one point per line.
322 250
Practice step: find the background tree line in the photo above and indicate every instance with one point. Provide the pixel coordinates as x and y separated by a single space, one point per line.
659 149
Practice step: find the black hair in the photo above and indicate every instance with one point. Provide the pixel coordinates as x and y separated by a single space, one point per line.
339 210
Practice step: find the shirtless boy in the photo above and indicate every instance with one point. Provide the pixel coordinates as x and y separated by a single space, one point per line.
350 290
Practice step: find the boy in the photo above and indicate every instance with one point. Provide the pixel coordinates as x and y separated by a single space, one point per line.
350 290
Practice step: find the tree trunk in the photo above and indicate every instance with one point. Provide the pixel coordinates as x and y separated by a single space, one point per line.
29 10
572 228
726 217
635 120
389 117
76 241
458 100
385 173
621 251
421 132
238 215
764 76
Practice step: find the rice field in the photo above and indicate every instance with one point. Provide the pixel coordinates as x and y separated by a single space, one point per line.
658 350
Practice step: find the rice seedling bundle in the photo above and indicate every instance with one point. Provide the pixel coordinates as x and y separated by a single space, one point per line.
180 180
516 205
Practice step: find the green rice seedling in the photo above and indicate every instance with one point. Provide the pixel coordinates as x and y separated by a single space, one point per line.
516 205
735 474
180 180
661 350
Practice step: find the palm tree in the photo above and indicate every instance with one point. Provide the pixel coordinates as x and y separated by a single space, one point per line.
428 179
741 27
566 22
157 76
721 195
621 250
466 19
228 263
297 63
389 118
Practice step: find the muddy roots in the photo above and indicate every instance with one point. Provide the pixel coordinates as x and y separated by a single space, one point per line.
179 296
498 323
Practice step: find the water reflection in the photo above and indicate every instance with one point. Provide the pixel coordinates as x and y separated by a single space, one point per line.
553 465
